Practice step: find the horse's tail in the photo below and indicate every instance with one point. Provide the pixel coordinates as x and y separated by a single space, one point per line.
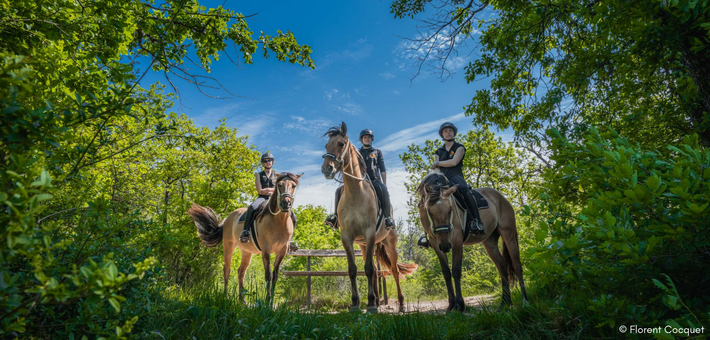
509 262
384 260
209 225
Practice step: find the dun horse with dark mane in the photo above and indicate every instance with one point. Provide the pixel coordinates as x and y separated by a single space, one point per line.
442 219
273 229
358 217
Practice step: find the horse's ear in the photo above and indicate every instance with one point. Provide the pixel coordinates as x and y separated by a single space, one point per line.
451 190
344 128
299 176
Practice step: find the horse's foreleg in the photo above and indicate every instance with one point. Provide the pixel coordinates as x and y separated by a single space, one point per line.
456 264
352 272
246 259
491 245
376 290
277 265
370 273
266 259
228 252
447 274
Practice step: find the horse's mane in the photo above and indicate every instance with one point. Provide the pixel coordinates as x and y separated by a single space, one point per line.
338 131
280 177
431 188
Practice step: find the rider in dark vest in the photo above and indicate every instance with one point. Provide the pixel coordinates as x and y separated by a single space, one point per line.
375 166
265 183
449 161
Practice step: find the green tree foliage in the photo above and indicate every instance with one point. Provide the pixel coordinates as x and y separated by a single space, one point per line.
95 174
640 68
614 218
489 162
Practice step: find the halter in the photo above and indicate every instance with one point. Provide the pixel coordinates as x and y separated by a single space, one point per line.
280 196
339 160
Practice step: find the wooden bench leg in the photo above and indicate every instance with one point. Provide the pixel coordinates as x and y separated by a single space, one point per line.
308 283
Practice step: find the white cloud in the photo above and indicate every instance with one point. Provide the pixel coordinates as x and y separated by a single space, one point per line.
349 108
313 127
387 75
396 92
416 134
328 95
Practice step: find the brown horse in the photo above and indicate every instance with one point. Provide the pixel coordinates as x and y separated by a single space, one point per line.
357 215
273 230
442 219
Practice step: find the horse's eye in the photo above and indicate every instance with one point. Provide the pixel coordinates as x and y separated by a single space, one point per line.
341 144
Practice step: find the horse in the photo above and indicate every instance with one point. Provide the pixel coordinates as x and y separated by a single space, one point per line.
442 218
357 215
273 229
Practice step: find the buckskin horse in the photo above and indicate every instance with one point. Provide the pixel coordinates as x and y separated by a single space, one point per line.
442 218
358 217
273 229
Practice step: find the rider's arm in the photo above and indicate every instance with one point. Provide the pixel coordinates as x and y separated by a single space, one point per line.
458 156
257 183
381 167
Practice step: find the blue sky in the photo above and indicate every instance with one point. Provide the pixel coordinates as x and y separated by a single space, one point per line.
363 77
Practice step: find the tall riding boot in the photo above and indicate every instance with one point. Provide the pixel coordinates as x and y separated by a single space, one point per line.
475 227
386 206
332 219
244 237
293 246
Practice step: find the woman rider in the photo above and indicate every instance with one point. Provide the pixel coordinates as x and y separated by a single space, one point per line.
375 165
449 162
264 182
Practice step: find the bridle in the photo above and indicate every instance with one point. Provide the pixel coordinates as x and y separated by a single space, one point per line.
339 160
443 228
281 196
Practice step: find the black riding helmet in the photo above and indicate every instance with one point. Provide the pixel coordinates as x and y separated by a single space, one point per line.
447 125
266 156
366 132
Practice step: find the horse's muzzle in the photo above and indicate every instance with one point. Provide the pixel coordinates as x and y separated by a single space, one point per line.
445 247
328 171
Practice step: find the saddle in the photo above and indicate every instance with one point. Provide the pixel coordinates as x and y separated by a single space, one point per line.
480 201
252 229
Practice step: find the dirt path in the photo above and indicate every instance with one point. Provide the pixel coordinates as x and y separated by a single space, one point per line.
434 306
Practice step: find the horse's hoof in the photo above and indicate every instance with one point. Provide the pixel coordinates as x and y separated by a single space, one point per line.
372 310
355 308
402 309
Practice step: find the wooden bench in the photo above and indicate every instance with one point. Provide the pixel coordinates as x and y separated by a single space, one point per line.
331 253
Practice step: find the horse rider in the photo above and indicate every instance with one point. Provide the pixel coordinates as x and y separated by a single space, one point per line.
265 183
375 166
449 162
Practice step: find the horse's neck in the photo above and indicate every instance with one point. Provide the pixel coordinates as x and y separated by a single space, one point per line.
352 166
273 206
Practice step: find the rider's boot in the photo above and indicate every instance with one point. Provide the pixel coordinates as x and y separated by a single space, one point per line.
475 226
244 237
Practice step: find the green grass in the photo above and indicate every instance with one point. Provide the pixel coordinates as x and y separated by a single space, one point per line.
208 314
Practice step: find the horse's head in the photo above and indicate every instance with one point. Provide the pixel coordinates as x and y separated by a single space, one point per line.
437 209
335 149
286 185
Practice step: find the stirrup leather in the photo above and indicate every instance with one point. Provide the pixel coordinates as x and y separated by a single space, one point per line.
424 242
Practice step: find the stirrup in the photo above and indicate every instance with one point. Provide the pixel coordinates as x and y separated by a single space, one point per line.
389 223
476 227
424 242
332 221
244 237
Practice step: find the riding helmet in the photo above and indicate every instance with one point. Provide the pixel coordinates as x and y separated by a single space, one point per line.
447 125
266 156
366 132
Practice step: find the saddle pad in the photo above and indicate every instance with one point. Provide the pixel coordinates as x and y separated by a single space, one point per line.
481 201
